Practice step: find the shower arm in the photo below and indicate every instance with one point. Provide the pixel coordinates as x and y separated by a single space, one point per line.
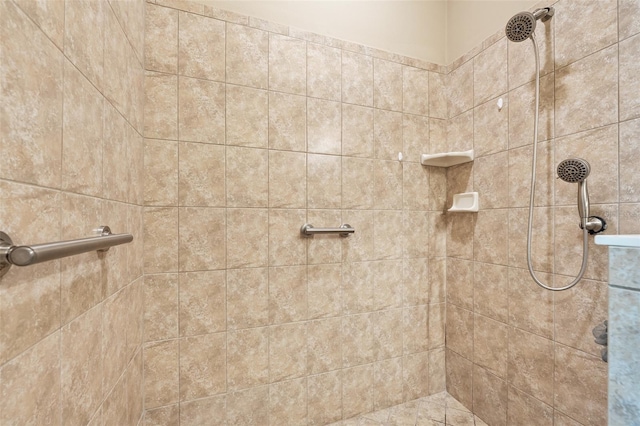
585 241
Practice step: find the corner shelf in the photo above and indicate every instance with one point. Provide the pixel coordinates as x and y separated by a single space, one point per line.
446 159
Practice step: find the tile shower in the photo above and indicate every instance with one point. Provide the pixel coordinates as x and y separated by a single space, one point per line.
252 129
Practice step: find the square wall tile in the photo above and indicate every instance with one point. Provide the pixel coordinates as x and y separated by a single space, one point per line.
460 89
202 366
629 149
286 245
247 177
287 179
628 75
201 110
202 305
387 134
201 239
287 64
161 100
490 72
161 39
161 307
357 131
287 122
438 95
161 373
287 294
201 44
288 402
324 345
531 364
415 91
201 174
357 78
84 38
247 117
324 127
324 181
160 226
324 74
247 298
387 85
247 56
247 238
325 398
287 351
247 358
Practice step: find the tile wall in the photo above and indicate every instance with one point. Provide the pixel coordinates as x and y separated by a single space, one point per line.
71 144
253 129
518 354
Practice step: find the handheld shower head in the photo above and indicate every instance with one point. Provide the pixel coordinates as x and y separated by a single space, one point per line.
523 24
573 170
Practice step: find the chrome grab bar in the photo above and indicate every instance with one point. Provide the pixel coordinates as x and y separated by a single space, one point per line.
38 253
308 230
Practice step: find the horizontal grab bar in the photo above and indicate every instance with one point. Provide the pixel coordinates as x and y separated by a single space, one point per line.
344 230
38 253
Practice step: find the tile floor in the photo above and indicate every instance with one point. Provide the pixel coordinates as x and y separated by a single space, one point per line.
436 410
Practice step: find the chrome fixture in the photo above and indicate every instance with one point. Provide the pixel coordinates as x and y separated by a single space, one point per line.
307 230
522 25
38 253
576 170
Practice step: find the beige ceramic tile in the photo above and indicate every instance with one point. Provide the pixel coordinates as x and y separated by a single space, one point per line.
324 283
437 136
247 238
585 377
629 214
387 85
288 402
357 178
524 409
414 330
489 397
520 160
207 410
490 244
201 174
387 235
522 109
522 59
287 122
287 351
161 375
31 143
490 283
415 135
459 90
628 78
161 39
161 99
48 16
81 366
287 179
287 64
387 341
490 342
121 141
387 284
387 131
82 134
324 73
357 339
415 224
160 224
201 250
357 390
438 189
324 345
30 384
169 414
114 345
357 79
460 282
437 371
201 110
357 287
460 235
594 77
286 245
387 383
387 179
489 176
247 177
160 172
542 238
460 132
437 279
201 51
247 117
248 407
84 38
530 367
287 294
247 358
247 298
530 306
247 57
161 307
490 127
325 398
415 188
415 371
357 131
629 152
572 42
185 5
202 305
324 126
459 328
490 72
437 326
323 248
202 360
324 181
415 91
438 95
628 25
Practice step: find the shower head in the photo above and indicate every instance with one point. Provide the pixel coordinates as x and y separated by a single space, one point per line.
523 24
573 170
